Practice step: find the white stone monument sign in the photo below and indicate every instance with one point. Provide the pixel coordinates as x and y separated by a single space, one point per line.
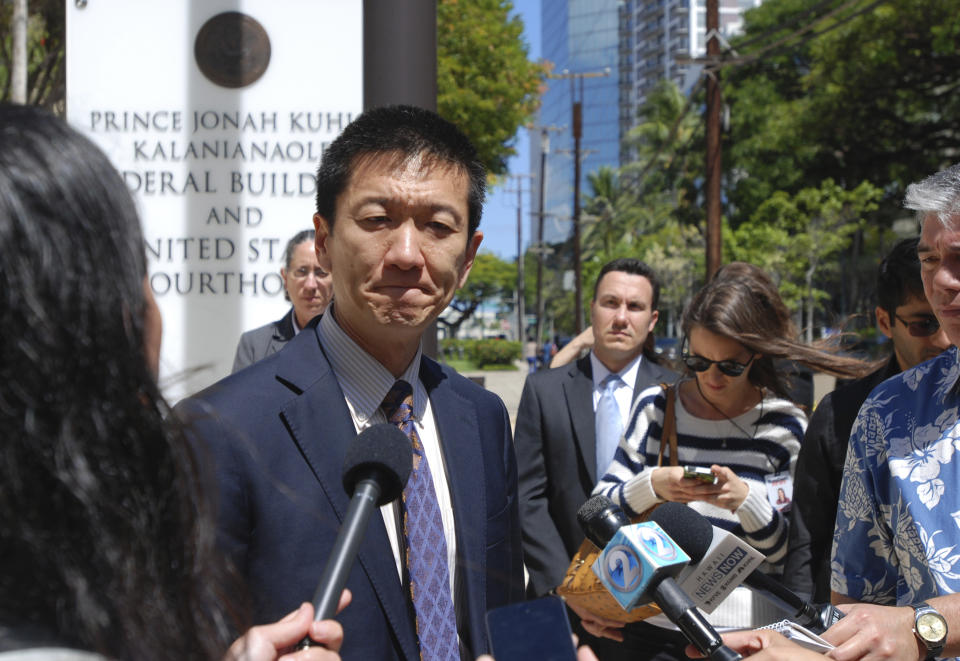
216 113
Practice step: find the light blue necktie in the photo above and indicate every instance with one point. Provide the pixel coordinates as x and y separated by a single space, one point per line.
609 426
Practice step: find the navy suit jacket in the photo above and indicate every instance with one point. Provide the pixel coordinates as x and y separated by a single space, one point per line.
557 450
275 435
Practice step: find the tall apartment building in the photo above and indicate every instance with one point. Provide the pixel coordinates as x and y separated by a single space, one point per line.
639 42
665 31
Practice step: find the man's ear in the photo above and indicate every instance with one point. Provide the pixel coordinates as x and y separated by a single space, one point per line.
322 229
884 323
473 244
654 316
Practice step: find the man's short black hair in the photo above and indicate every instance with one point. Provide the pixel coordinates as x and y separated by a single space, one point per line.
634 267
898 277
408 132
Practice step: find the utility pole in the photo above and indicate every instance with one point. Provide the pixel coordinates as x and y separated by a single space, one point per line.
541 249
521 288
18 72
577 123
714 103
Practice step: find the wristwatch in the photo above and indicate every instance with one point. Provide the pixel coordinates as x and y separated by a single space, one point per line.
930 628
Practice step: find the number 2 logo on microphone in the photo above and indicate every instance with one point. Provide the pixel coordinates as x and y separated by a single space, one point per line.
658 544
623 568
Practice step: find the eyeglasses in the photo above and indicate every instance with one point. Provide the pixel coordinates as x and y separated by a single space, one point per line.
729 367
303 273
924 327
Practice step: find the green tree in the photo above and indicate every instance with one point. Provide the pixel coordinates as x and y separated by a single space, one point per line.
46 73
609 215
797 238
491 279
487 85
868 93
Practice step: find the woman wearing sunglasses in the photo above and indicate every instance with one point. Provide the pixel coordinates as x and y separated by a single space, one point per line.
734 422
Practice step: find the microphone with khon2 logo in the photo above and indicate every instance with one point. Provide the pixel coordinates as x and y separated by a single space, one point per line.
638 564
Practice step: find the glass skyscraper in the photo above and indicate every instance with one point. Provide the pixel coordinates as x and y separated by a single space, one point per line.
638 42
579 37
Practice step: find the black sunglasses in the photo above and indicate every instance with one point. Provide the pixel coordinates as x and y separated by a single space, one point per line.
923 328
729 367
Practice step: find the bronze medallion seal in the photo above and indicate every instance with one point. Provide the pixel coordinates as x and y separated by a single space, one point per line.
232 49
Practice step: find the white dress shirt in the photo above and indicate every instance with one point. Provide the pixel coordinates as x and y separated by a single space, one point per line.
365 383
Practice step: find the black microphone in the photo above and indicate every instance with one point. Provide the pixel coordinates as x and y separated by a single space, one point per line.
375 470
652 558
695 534
600 519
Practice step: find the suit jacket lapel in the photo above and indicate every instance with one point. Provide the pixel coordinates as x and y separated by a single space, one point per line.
578 392
457 426
648 374
319 422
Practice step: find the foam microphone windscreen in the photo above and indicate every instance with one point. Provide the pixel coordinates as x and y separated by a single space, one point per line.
381 451
689 529
600 519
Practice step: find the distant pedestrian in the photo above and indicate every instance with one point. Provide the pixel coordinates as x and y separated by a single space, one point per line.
530 353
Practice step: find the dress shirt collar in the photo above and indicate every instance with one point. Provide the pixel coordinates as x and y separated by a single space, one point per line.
628 373
363 380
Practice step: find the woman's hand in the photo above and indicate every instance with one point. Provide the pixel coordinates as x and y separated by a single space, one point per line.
732 490
277 641
729 492
669 484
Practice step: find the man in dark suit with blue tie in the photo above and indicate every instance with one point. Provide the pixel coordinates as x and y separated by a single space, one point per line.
399 197
570 419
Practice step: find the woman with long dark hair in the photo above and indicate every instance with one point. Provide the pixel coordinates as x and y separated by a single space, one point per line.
105 544
733 421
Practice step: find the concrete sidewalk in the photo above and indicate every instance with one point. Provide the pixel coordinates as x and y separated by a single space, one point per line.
507 384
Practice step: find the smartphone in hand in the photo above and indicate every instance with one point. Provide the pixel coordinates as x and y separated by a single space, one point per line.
536 630
699 473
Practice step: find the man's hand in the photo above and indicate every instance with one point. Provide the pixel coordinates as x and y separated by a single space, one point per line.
874 633
598 626
277 641
762 645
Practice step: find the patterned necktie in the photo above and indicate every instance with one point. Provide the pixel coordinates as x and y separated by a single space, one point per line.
426 545
609 425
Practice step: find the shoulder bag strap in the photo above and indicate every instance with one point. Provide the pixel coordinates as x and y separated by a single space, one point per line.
669 426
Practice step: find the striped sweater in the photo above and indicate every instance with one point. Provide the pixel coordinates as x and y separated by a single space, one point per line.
777 426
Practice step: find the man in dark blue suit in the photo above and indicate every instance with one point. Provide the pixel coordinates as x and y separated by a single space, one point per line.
399 197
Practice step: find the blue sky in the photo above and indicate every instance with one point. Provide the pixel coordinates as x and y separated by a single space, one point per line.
499 222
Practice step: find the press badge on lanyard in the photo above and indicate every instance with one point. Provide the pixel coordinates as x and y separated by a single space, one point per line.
780 490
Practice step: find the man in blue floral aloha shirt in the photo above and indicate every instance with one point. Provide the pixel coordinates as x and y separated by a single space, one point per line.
897 535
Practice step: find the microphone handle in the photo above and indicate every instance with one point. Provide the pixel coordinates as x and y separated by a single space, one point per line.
344 551
804 613
678 607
